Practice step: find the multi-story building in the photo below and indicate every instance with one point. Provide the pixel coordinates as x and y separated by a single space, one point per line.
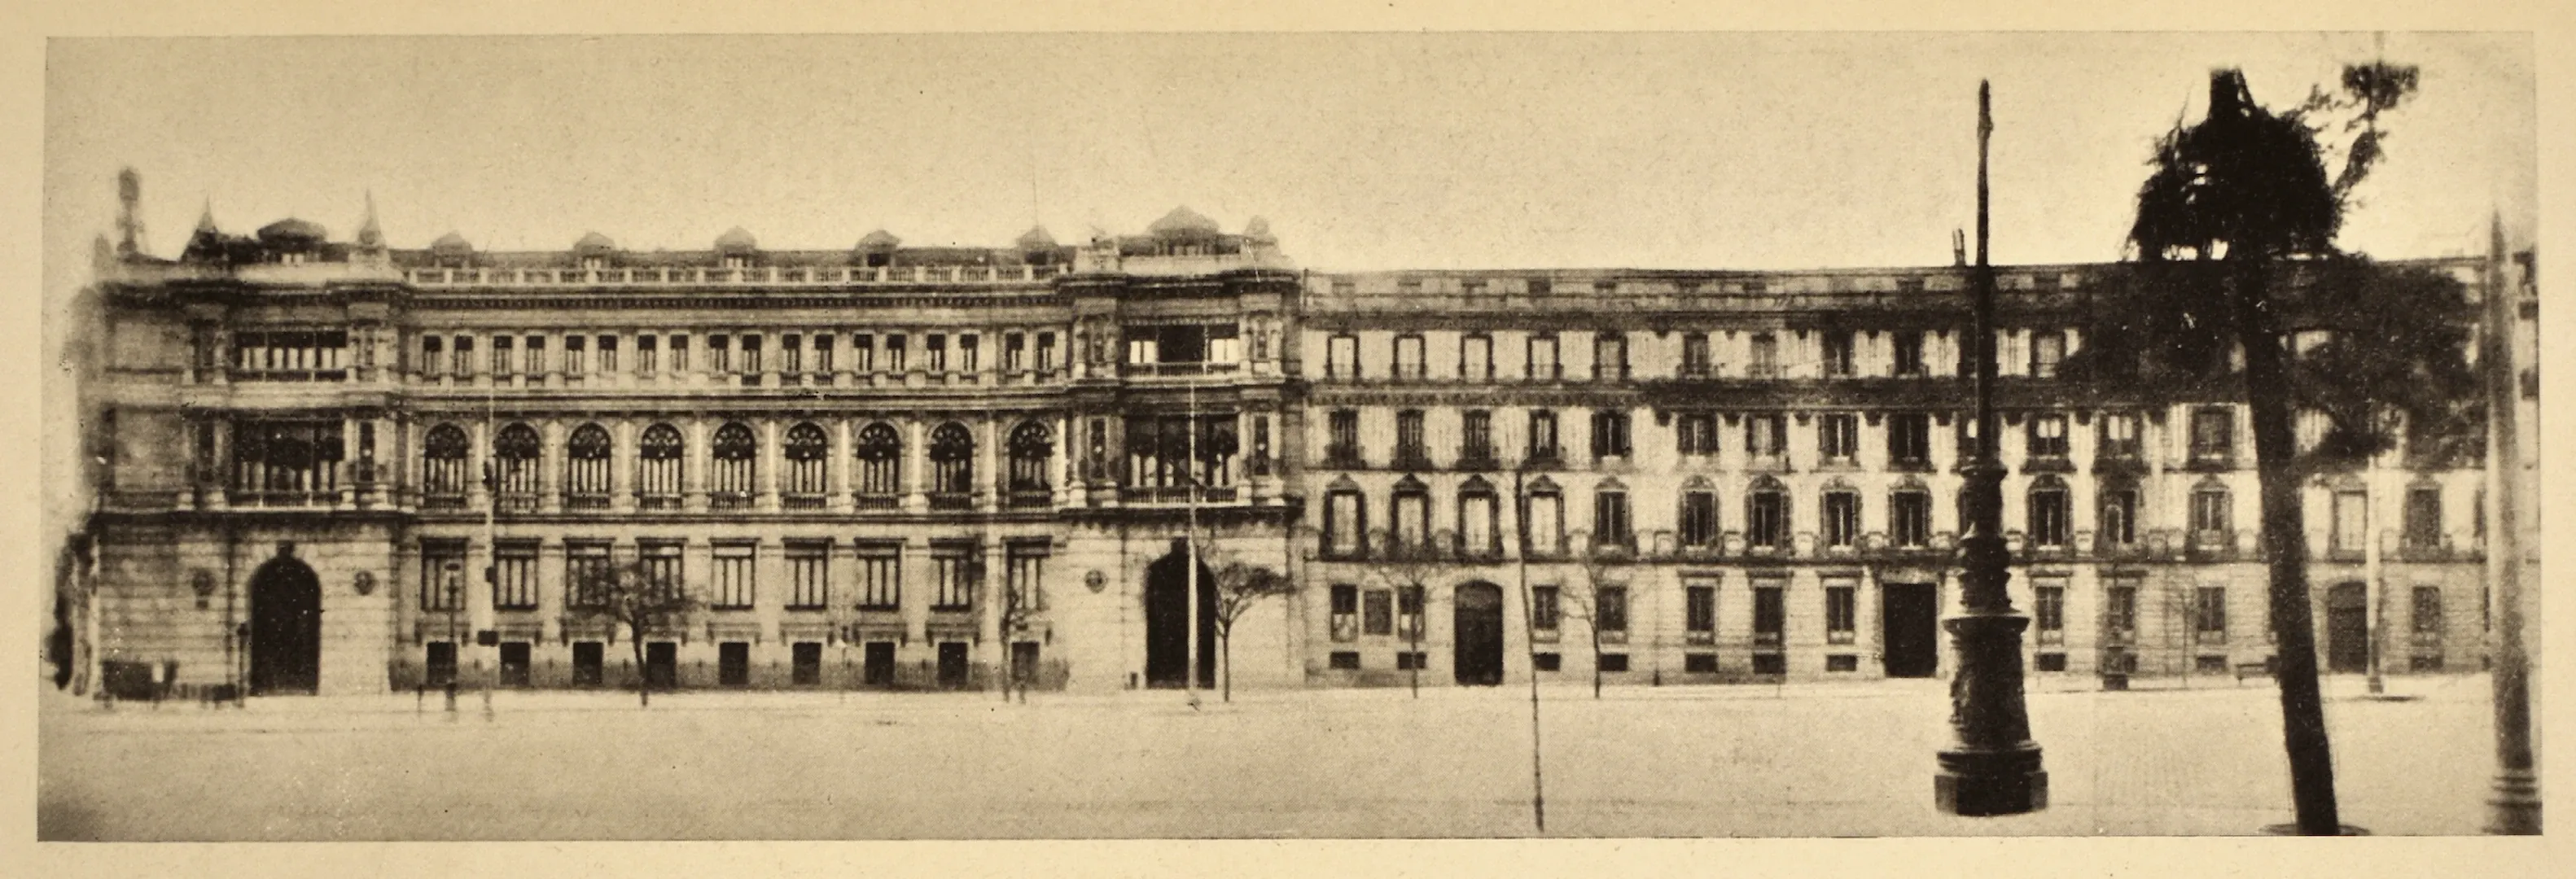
345 467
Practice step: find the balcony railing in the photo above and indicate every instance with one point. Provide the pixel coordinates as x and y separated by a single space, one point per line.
729 500
1029 499
804 501
585 502
1412 458
880 502
1177 494
1343 455
950 501
704 276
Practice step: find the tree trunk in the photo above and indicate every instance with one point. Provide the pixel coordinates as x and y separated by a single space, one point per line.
1595 626
2267 395
1225 659
643 678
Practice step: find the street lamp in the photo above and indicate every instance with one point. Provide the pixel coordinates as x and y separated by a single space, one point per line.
1993 767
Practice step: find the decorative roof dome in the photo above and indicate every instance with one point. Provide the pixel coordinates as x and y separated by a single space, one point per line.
736 240
879 240
1259 230
451 244
593 243
1037 239
1183 222
292 231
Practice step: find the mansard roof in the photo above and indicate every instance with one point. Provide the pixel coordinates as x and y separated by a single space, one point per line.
736 241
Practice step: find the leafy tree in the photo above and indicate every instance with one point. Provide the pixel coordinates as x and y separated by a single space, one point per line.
633 597
2237 291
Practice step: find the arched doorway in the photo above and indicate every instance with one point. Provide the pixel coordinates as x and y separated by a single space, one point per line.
2348 628
285 627
1167 621
1477 634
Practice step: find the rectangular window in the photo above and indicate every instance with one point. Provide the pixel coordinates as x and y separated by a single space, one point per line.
1609 357
1842 518
1699 609
1542 359
587 573
822 345
2427 619
1345 660
1409 450
576 355
1046 352
2209 614
1910 519
1014 352
503 359
719 353
1342 356
733 577
2120 607
880 575
934 349
1546 609
2119 436
661 564
1838 353
462 363
2119 516
1695 433
2048 437
2423 517
809 575
536 355
1610 608
1610 434
951 591
442 575
1699 518
2048 611
1696 362
2351 512
1764 358
863 353
2213 434
1842 611
1026 564
1408 613
1346 612
970 352
1838 437
1908 357
1344 447
1542 435
1770 614
2209 515
2047 350
1610 519
1378 613
1909 439
1766 437
791 353
679 345
1546 522
647 354
1476 435
896 351
1343 523
514 584
1476 358
1408 357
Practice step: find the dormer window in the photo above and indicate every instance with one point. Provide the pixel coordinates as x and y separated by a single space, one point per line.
294 258
594 263
737 262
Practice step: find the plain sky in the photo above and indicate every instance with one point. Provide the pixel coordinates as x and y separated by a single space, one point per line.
1766 150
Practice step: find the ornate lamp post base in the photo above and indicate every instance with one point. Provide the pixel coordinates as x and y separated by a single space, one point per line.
1995 767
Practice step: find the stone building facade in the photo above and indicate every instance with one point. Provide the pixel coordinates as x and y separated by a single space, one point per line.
341 467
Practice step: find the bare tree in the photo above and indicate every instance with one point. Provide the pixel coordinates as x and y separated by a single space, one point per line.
1019 608
634 597
1602 595
1239 587
1409 568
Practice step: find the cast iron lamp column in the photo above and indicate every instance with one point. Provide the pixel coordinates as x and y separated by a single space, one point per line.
1993 767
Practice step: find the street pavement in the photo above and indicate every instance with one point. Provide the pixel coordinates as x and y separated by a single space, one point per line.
1827 759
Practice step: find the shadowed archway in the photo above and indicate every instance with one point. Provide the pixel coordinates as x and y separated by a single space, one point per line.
285 627
1167 621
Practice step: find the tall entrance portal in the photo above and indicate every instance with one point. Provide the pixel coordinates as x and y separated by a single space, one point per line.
285 627
1167 621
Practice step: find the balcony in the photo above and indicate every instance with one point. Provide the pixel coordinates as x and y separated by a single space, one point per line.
661 502
729 500
879 502
952 501
803 501
444 501
585 502
1476 459
1029 499
708 276
1344 455
1411 458
283 499
1610 372
515 502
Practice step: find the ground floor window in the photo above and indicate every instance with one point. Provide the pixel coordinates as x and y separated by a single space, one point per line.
1614 662
1700 663
1346 660
439 663
2051 662
586 663
1547 661
1842 662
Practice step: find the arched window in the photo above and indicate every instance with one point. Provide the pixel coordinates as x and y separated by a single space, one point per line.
659 463
1477 535
586 468
952 465
1610 525
1909 515
736 465
2049 513
1411 515
443 455
1766 514
2119 521
2212 522
1345 519
808 451
515 450
1841 515
1544 518
1699 513
880 453
1032 447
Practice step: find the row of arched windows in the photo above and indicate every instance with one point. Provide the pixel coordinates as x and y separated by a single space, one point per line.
734 453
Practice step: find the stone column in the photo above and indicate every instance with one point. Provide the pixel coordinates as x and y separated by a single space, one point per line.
988 482
769 590
478 459
916 463
694 463
550 588
348 466
768 461
622 461
919 579
550 465
988 606
1067 491
838 461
